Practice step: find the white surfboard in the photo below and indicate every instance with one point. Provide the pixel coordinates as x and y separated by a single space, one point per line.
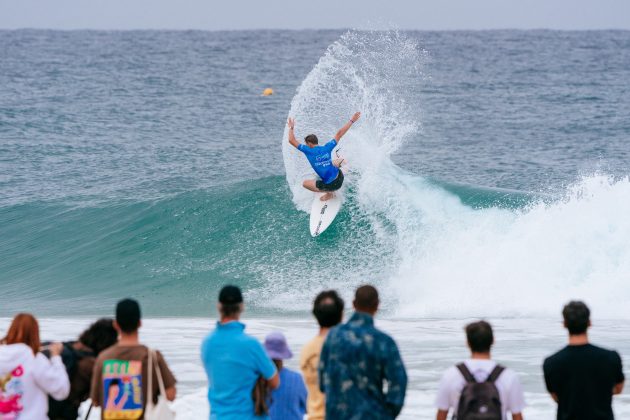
323 213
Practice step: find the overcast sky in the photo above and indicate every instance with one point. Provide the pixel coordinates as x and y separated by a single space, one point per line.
315 14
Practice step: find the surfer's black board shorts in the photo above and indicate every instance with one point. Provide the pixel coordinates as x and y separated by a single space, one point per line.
333 186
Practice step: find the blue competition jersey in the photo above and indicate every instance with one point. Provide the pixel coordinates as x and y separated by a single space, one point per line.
320 159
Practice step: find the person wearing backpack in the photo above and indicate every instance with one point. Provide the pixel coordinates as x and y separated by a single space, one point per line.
479 388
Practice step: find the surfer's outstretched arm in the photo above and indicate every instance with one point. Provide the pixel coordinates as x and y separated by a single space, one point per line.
343 130
292 139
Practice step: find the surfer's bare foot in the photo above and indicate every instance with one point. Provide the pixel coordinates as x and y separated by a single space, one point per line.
326 196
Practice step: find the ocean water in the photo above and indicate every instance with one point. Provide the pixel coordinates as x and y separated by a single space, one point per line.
488 177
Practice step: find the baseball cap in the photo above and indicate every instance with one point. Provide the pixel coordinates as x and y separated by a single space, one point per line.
230 295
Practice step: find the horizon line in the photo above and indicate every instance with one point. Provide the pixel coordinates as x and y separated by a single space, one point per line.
541 29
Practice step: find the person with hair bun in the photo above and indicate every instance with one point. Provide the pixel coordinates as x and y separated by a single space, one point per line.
26 375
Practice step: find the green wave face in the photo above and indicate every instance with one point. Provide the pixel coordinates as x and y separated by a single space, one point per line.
174 253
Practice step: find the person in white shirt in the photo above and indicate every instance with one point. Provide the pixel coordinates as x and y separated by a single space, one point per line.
480 365
27 377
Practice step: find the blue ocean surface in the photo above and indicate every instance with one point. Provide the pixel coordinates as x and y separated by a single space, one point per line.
147 164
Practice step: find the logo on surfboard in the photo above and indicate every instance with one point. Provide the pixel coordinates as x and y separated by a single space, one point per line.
319 225
323 213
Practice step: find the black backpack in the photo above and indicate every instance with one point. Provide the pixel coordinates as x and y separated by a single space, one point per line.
479 400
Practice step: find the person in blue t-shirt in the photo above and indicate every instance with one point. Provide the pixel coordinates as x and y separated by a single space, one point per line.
320 159
233 362
288 402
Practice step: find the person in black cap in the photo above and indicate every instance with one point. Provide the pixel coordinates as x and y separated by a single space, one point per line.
234 361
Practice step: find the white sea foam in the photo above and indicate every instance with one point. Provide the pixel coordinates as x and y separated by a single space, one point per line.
447 259
527 262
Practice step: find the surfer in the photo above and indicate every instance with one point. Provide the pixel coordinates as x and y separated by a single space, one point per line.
321 160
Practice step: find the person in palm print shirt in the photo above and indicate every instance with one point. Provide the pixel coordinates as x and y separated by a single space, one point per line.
360 368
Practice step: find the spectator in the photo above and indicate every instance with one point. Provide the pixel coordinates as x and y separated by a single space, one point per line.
458 390
26 375
360 368
328 310
119 379
78 358
233 362
582 378
288 401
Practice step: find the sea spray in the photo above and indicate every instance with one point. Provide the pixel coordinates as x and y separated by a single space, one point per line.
363 71
443 257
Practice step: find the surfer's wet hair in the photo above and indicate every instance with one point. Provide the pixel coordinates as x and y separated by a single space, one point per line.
366 298
328 308
576 317
479 336
311 138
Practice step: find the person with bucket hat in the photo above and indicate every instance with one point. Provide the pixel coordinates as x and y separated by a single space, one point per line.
288 401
